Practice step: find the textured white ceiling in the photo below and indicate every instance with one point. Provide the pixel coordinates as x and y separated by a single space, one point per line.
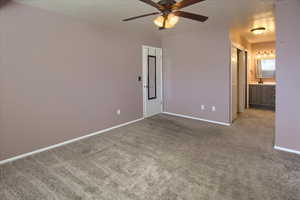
238 14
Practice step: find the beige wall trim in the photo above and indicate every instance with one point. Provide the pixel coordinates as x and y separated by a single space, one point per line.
286 150
199 119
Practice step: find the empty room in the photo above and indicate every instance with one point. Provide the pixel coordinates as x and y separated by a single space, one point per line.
149 100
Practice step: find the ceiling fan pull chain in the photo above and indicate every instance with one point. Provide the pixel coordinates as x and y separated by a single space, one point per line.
165 21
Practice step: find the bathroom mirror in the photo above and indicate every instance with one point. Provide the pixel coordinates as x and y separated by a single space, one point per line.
266 68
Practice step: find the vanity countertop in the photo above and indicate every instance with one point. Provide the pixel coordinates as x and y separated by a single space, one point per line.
265 83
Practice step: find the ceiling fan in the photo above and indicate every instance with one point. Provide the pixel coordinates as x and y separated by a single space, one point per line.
170 10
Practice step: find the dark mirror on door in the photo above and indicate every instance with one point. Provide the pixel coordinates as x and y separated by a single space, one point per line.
152 77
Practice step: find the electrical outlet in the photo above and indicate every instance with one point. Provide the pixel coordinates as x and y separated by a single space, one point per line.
202 107
213 108
119 112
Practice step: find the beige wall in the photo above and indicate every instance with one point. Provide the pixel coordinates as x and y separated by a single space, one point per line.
197 72
239 40
288 70
61 78
260 47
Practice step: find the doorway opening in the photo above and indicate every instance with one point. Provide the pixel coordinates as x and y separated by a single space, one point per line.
253 77
239 81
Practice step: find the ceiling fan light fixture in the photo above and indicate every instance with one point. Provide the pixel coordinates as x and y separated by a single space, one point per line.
172 20
258 31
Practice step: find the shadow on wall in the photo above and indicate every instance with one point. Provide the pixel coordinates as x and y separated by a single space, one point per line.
3 2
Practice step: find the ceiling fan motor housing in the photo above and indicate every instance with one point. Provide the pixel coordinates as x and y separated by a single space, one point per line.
166 3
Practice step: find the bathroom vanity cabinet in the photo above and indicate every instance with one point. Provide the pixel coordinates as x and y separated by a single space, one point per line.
262 95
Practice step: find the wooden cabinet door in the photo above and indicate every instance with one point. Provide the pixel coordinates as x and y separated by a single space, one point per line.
262 95
268 95
251 94
273 96
255 94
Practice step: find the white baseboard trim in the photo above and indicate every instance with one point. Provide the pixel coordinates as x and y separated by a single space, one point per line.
196 118
66 142
286 150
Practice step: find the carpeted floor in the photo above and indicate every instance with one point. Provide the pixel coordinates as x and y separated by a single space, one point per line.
162 158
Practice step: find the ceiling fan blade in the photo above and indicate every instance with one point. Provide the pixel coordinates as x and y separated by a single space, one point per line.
153 4
185 3
192 16
132 18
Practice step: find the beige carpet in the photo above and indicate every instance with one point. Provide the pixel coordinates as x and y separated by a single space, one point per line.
162 158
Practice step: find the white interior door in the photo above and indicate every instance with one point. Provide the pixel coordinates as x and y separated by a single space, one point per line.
234 83
152 80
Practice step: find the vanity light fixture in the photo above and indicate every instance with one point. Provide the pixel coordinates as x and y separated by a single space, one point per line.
258 31
265 54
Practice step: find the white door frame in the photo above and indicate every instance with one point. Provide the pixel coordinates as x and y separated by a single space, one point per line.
241 81
237 46
145 78
231 112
